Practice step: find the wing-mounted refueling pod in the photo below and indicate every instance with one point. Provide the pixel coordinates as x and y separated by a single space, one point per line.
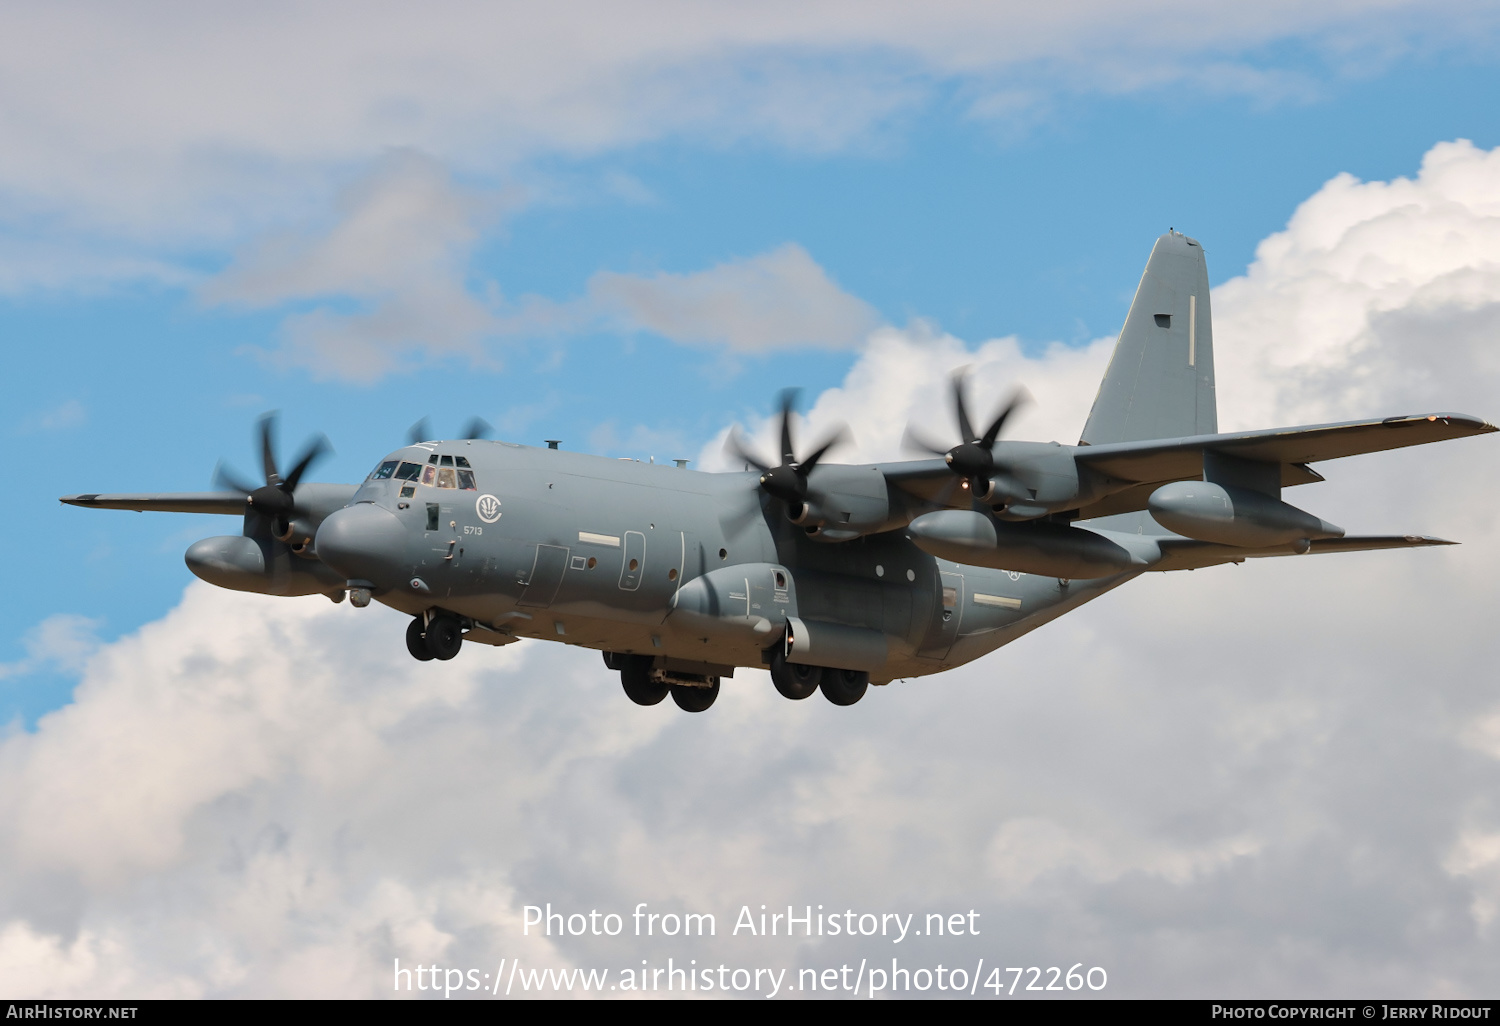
1039 547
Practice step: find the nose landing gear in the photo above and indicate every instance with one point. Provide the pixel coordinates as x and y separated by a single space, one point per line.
439 638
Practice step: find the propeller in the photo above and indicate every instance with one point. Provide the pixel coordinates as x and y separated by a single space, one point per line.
787 480
973 458
275 498
421 431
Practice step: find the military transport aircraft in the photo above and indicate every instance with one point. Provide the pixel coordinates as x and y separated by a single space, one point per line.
832 576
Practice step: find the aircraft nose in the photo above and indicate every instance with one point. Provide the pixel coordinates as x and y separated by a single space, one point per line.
364 542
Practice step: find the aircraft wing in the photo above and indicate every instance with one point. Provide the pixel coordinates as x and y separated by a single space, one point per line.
1154 462
164 502
1186 554
926 479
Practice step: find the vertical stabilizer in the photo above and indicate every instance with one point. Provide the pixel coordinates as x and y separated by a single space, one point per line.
1160 382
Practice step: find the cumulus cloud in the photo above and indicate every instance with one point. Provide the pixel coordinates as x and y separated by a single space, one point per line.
398 251
61 642
777 300
1275 779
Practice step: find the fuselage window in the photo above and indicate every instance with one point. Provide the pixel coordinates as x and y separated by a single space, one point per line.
383 471
466 480
408 472
445 478
428 473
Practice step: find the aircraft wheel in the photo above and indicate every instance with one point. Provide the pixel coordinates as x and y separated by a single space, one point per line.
444 637
844 687
635 676
416 640
695 699
794 680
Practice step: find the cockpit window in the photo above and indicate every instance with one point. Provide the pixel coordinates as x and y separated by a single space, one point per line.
445 478
408 472
383 471
462 461
466 480
446 461
427 473
432 459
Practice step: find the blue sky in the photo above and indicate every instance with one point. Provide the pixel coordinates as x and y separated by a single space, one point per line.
1035 225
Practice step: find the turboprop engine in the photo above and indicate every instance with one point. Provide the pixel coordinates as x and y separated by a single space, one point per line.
1037 547
1230 515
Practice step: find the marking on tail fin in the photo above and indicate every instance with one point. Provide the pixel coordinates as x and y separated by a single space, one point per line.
1192 331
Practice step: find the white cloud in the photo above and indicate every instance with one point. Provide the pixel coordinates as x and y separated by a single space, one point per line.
1260 780
166 125
64 642
777 300
399 251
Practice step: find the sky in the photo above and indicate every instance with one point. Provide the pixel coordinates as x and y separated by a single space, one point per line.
628 227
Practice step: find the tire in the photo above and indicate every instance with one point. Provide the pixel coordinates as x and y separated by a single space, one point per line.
416 640
444 637
694 700
844 687
635 677
794 680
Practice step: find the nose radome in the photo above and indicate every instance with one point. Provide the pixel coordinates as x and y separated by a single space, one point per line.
364 542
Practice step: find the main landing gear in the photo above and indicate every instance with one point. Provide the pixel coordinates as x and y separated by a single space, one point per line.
798 681
647 686
439 638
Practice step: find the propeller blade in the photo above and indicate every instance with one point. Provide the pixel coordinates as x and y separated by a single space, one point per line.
315 449
477 427
268 447
839 437
421 431
964 427
226 481
734 522
788 402
735 446
915 440
1019 398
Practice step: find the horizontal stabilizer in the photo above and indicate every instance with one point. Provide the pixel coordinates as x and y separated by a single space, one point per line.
164 502
1185 554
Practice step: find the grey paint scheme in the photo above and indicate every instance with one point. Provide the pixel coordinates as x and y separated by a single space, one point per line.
721 571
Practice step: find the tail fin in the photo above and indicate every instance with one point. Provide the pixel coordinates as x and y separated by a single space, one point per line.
1160 382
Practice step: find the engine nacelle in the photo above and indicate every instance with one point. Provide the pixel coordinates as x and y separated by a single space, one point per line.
1038 547
1234 516
297 533
240 563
